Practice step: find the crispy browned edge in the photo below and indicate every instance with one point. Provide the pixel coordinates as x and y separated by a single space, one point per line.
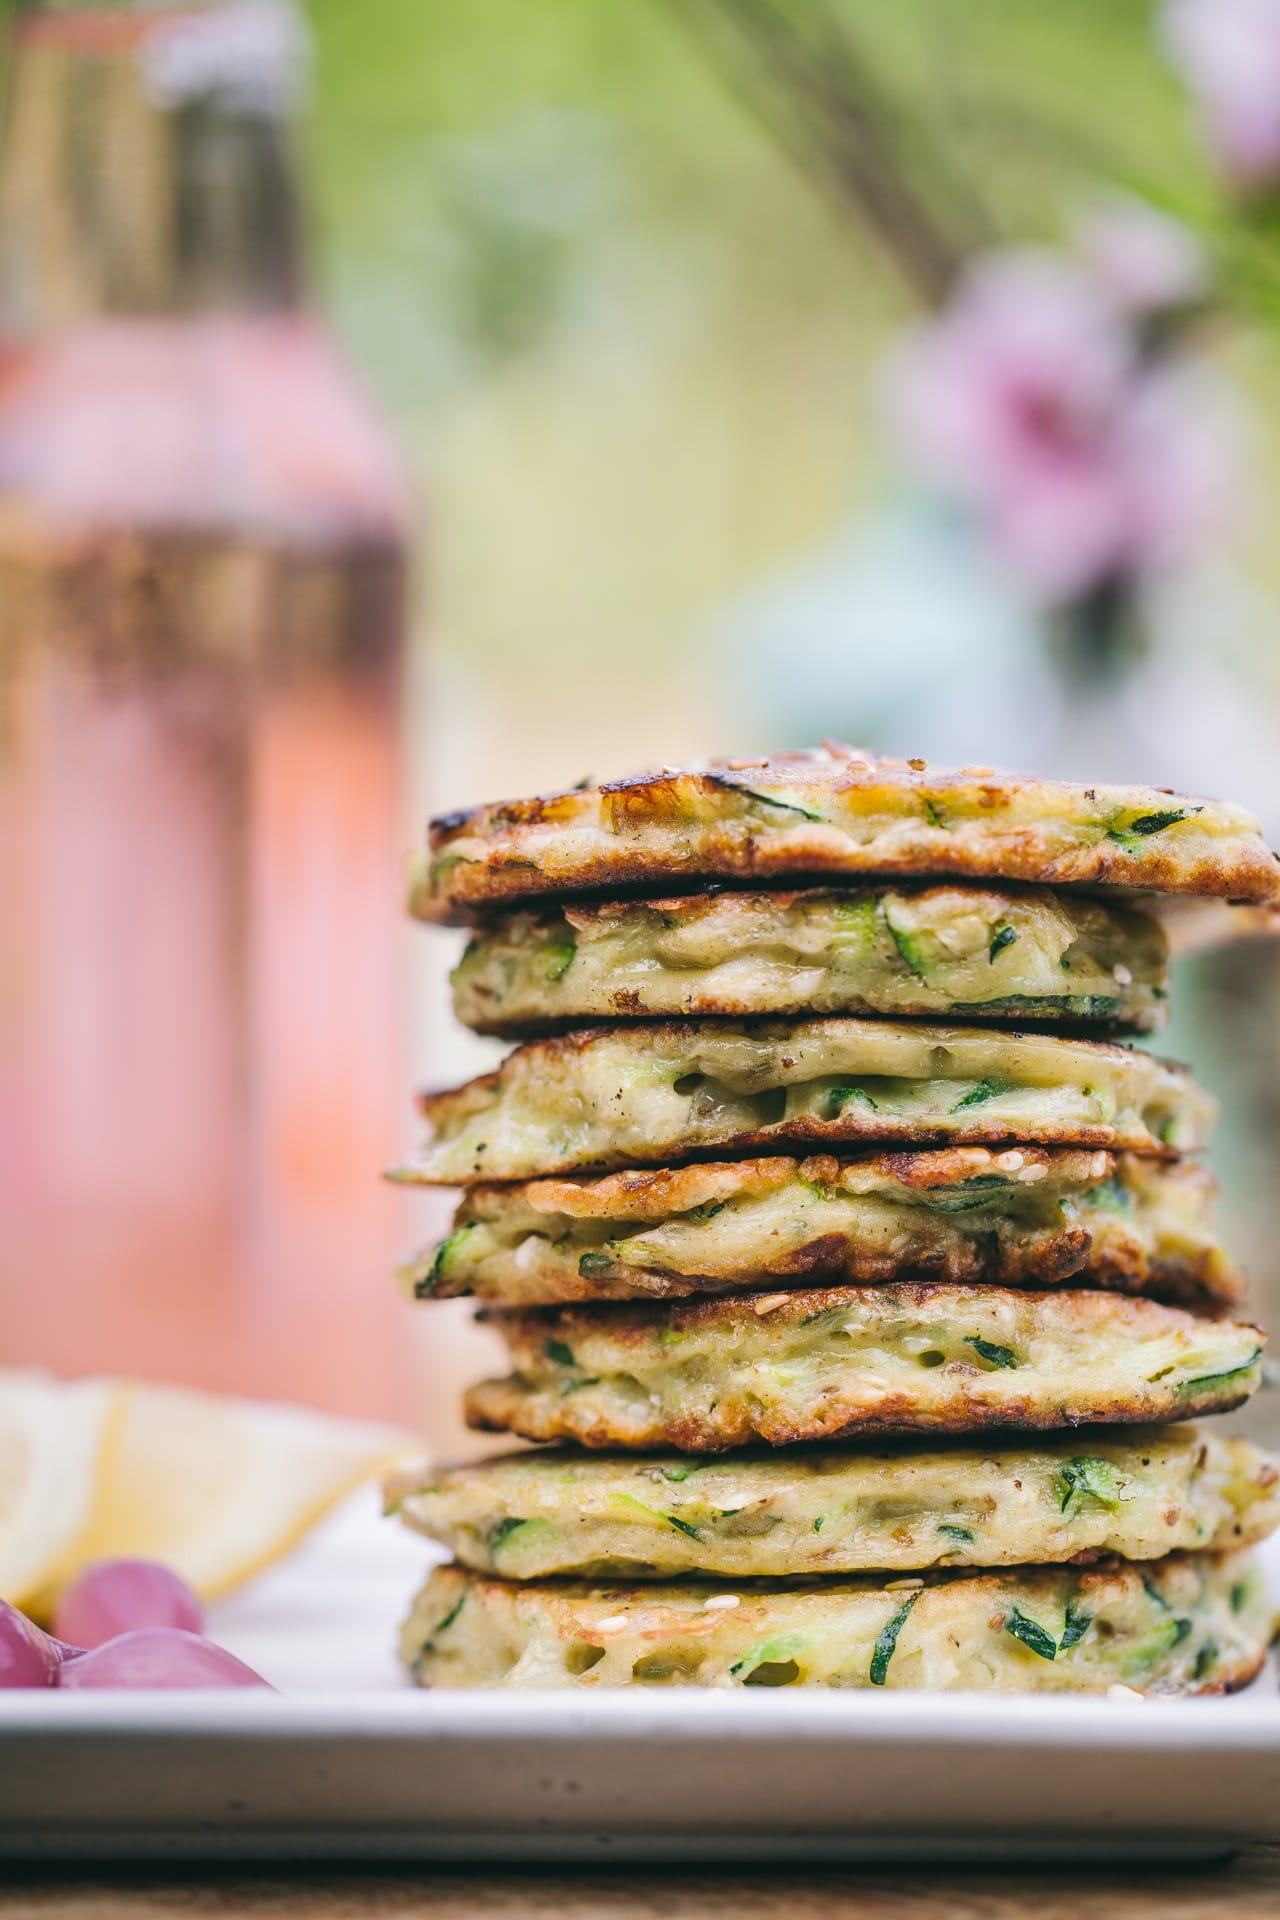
503 1405
632 1325
726 1007
803 1130
1037 1259
1052 1259
806 1130
673 1189
737 852
997 1581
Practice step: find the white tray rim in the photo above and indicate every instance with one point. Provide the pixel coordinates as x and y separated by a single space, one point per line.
689 1778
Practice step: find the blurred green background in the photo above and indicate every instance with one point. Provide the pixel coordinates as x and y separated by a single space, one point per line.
629 334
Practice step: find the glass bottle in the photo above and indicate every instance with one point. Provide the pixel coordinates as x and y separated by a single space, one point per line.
201 592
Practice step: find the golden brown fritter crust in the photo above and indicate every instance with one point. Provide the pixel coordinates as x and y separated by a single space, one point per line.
812 1512
1032 1217
828 1363
840 811
1193 1623
647 1092
949 951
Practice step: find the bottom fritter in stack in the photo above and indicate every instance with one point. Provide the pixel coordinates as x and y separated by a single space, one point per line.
864 1342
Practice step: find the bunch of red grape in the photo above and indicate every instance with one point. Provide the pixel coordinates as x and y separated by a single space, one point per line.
122 1623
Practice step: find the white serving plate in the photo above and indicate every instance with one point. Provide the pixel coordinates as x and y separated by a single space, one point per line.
347 1762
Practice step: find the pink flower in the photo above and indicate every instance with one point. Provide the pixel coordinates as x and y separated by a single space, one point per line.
1029 402
1228 52
1146 262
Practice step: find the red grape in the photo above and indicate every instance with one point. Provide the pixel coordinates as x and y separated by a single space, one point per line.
158 1657
28 1657
117 1596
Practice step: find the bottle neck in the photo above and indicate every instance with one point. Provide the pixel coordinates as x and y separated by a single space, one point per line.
146 166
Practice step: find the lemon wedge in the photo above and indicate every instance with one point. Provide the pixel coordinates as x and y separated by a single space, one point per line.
54 1439
218 1488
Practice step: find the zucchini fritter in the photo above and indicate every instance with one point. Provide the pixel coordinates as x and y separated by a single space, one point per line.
837 810
837 1361
642 1094
810 1511
1025 1216
1194 1623
951 952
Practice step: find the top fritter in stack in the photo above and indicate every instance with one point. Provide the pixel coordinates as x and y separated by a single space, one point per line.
834 1165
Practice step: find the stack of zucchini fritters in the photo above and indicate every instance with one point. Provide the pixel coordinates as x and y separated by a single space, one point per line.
869 1297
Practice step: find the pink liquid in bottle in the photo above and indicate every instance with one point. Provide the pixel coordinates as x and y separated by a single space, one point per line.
201 574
